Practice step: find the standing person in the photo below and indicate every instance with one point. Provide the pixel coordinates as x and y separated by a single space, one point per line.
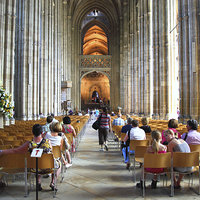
172 124
44 144
145 127
105 128
136 133
192 137
177 145
155 148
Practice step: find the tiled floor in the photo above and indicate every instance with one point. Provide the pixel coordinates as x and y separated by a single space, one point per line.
96 175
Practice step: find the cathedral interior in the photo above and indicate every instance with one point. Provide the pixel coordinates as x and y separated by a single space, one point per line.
141 55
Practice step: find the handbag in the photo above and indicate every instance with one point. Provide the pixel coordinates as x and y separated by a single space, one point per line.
96 124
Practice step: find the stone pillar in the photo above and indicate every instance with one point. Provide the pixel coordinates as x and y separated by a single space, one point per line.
136 61
147 59
184 68
193 59
155 59
141 57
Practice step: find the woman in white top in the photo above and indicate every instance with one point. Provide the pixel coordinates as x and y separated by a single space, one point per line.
56 140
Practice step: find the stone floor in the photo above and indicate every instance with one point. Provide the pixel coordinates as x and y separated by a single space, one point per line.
96 175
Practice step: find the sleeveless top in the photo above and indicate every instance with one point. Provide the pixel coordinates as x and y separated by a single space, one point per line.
44 145
55 140
183 147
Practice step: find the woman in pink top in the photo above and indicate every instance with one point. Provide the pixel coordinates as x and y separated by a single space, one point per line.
156 147
172 124
67 128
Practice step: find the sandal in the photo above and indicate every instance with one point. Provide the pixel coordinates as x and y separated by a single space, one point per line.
52 187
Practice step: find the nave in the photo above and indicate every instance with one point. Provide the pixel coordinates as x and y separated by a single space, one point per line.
96 175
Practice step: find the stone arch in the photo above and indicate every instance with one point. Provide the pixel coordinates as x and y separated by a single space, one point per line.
89 84
77 14
91 24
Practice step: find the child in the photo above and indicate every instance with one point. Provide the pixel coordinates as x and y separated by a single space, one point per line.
156 147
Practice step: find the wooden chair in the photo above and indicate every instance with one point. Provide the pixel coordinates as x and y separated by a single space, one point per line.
6 146
17 133
1 142
58 154
45 162
139 156
157 161
10 137
195 147
4 134
134 143
14 143
25 138
191 159
12 164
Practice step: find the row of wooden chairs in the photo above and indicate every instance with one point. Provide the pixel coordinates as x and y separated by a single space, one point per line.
179 159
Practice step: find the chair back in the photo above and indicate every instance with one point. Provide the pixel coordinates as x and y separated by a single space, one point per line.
195 147
9 146
140 151
134 143
181 159
123 136
45 162
12 161
157 160
117 129
56 151
12 137
14 143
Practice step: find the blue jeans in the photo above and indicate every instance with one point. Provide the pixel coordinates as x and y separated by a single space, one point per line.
126 158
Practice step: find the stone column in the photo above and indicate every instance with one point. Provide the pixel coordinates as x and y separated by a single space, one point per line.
155 59
163 53
141 58
147 35
193 59
185 92
136 60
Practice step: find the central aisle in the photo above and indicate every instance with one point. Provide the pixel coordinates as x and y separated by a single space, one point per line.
96 174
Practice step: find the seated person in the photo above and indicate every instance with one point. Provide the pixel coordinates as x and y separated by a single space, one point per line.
177 145
192 137
118 121
172 124
135 133
67 128
44 144
155 148
145 127
46 126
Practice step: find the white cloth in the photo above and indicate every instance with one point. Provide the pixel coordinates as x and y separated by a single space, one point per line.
55 140
55 120
137 133
46 128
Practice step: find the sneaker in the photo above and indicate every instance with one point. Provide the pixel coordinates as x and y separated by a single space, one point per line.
106 146
101 149
68 165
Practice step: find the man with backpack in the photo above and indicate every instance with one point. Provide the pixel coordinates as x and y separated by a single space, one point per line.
134 133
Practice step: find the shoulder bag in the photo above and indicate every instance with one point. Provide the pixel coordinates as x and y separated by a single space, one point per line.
96 124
